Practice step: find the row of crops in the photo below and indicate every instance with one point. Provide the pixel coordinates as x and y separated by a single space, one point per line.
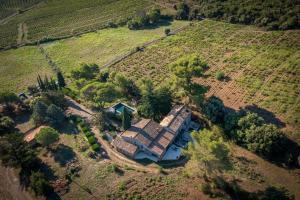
262 67
9 7
59 18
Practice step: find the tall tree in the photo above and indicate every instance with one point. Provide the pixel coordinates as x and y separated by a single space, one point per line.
126 119
55 115
14 152
60 79
208 151
39 113
41 83
39 184
186 68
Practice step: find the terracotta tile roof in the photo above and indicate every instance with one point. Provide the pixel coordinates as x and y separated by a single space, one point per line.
143 139
176 123
168 134
125 147
153 135
152 129
162 141
156 149
175 118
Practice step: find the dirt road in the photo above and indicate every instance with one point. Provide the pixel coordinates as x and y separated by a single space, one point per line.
80 110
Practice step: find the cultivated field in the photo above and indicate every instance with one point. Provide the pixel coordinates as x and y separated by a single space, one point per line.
61 18
102 46
19 68
22 65
261 68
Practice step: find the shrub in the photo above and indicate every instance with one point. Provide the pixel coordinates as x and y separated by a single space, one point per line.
85 129
206 189
39 183
96 147
47 136
88 134
220 75
122 186
274 193
91 140
167 31
6 124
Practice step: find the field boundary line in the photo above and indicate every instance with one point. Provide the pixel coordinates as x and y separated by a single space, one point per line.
142 47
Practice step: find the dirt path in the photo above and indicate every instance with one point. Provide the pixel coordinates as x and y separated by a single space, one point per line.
80 110
22 33
10 187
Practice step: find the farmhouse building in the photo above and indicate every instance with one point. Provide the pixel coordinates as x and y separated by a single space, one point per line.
151 138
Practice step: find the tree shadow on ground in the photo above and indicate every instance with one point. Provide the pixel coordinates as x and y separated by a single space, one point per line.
268 116
287 157
164 22
37 165
63 154
68 128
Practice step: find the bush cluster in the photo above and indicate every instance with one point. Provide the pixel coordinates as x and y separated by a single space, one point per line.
144 19
88 134
273 14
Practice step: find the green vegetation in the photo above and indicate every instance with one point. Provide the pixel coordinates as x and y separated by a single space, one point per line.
21 67
44 114
10 7
7 125
126 119
47 136
58 18
209 151
261 66
155 103
102 46
274 14
144 20
39 184
220 75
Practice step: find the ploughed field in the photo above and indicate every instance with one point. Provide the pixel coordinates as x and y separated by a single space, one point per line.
262 68
61 18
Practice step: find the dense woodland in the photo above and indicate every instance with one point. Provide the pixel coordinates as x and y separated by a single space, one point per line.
274 14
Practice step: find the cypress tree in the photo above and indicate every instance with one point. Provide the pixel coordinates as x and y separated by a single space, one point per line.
47 83
60 79
126 119
41 83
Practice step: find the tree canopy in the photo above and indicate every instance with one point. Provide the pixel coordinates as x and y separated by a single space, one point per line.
86 71
208 150
155 103
47 136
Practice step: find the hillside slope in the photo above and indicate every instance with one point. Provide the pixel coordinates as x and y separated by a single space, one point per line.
261 67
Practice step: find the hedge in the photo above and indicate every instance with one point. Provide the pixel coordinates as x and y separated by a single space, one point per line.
91 140
96 147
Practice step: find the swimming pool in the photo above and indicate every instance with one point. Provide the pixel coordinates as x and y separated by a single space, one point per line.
119 108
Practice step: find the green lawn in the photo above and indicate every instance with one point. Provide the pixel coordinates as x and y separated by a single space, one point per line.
20 67
102 46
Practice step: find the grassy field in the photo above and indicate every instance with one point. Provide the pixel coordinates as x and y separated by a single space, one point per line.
262 68
20 67
102 46
51 19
